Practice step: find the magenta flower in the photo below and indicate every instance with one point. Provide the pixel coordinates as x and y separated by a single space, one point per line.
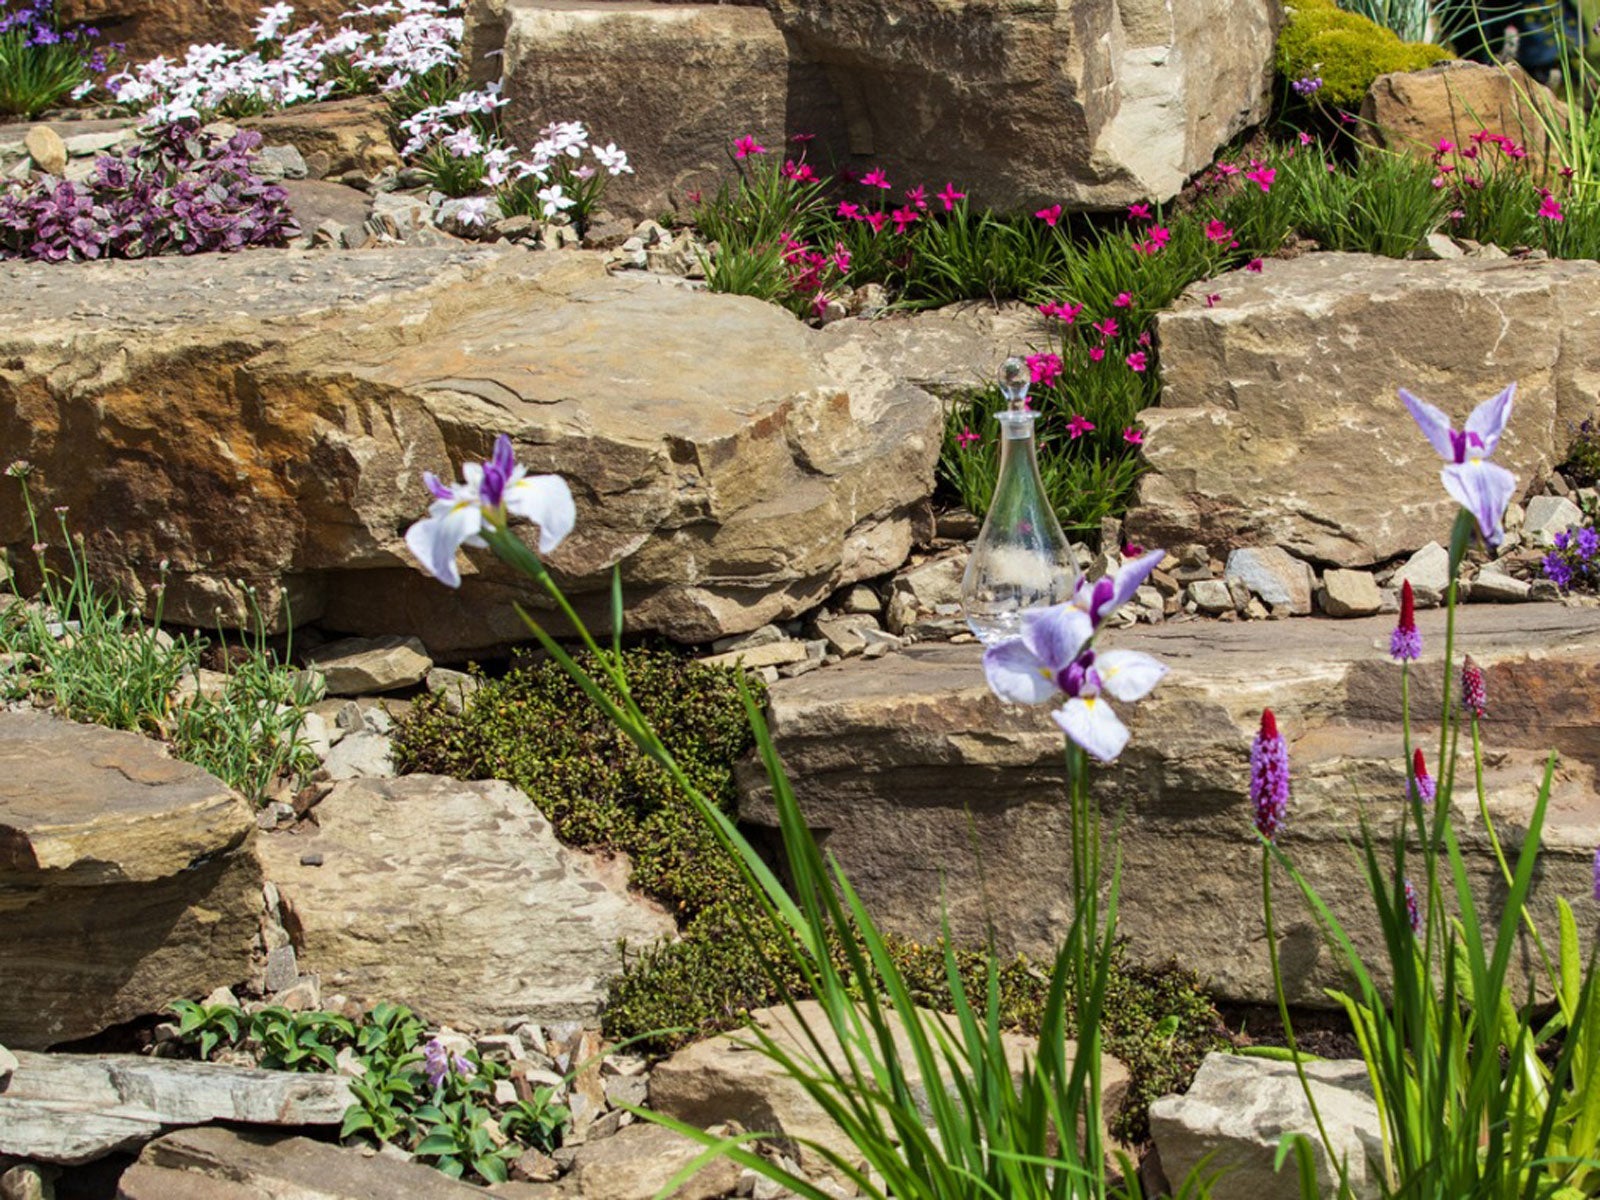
1044 368
1065 313
1405 643
1106 328
1219 233
1160 235
494 491
746 146
1269 777
1481 487
1425 788
1133 436
1212 298
1137 361
799 172
966 437
1261 175
1254 265
1050 215
1550 208
917 197
904 218
1096 353
949 196
875 178
1413 910
1138 212
1473 694
1078 426
1123 300
1597 875
1305 138
877 220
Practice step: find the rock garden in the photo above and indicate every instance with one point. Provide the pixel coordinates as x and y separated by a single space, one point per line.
799 598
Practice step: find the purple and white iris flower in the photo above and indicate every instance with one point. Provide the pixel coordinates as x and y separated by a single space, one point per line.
493 492
1054 657
1481 487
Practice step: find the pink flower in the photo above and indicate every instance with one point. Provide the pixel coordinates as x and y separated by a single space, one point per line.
1045 368
1096 353
1137 361
1225 169
1444 147
1550 208
851 212
1106 328
1566 172
1347 118
1212 298
1160 235
1219 233
1050 215
1253 265
1469 152
1262 175
800 172
1138 212
950 196
1305 138
966 437
1065 313
1144 338
1078 426
746 146
877 220
819 303
1133 436
841 257
875 178
904 218
800 139
1123 300
917 197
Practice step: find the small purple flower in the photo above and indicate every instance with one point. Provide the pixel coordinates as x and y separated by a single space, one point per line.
1473 693
1555 567
440 1063
1307 87
1269 777
1425 788
1413 910
1481 487
1597 875
1405 643
1587 542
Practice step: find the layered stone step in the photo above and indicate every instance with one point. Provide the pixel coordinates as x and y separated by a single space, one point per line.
936 797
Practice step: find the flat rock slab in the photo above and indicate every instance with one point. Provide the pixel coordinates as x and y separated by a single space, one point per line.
1279 422
69 1109
266 418
224 1164
454 898
127 878
935 795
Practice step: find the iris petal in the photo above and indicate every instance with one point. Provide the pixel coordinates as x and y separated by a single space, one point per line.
1483 489
435 539
1489 419
1128 674
1434 424
1089 721
1056 634
545 500
1016 674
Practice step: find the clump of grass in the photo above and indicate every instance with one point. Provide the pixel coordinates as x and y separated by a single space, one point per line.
84 652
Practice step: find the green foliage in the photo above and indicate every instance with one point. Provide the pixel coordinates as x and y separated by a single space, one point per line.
453 1123
1582 464
535 729
1345 50
1406 19
41 63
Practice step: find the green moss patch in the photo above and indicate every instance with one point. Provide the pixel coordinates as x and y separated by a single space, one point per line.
1345 50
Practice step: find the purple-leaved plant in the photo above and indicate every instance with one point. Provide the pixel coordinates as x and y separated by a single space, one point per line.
181 191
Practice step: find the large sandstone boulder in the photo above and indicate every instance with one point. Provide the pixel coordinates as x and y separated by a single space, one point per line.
170 27
1279 422
936 797
455 898
1082 101
266 418
127 879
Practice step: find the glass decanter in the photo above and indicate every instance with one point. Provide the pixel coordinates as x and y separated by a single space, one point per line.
1021 559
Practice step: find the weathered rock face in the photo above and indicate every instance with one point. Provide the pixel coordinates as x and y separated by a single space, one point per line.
454 898
170 27
224 1164
69 1108
278 436
1237 1110
723 1079
1414 110
334 136
1279 422
932 794
127 878
1089 103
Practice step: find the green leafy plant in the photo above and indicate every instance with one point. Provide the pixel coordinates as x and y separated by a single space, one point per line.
299 1041
1346 50
42 61
537 1122
207 1026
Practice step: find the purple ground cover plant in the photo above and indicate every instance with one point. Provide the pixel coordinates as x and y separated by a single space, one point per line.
180 192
